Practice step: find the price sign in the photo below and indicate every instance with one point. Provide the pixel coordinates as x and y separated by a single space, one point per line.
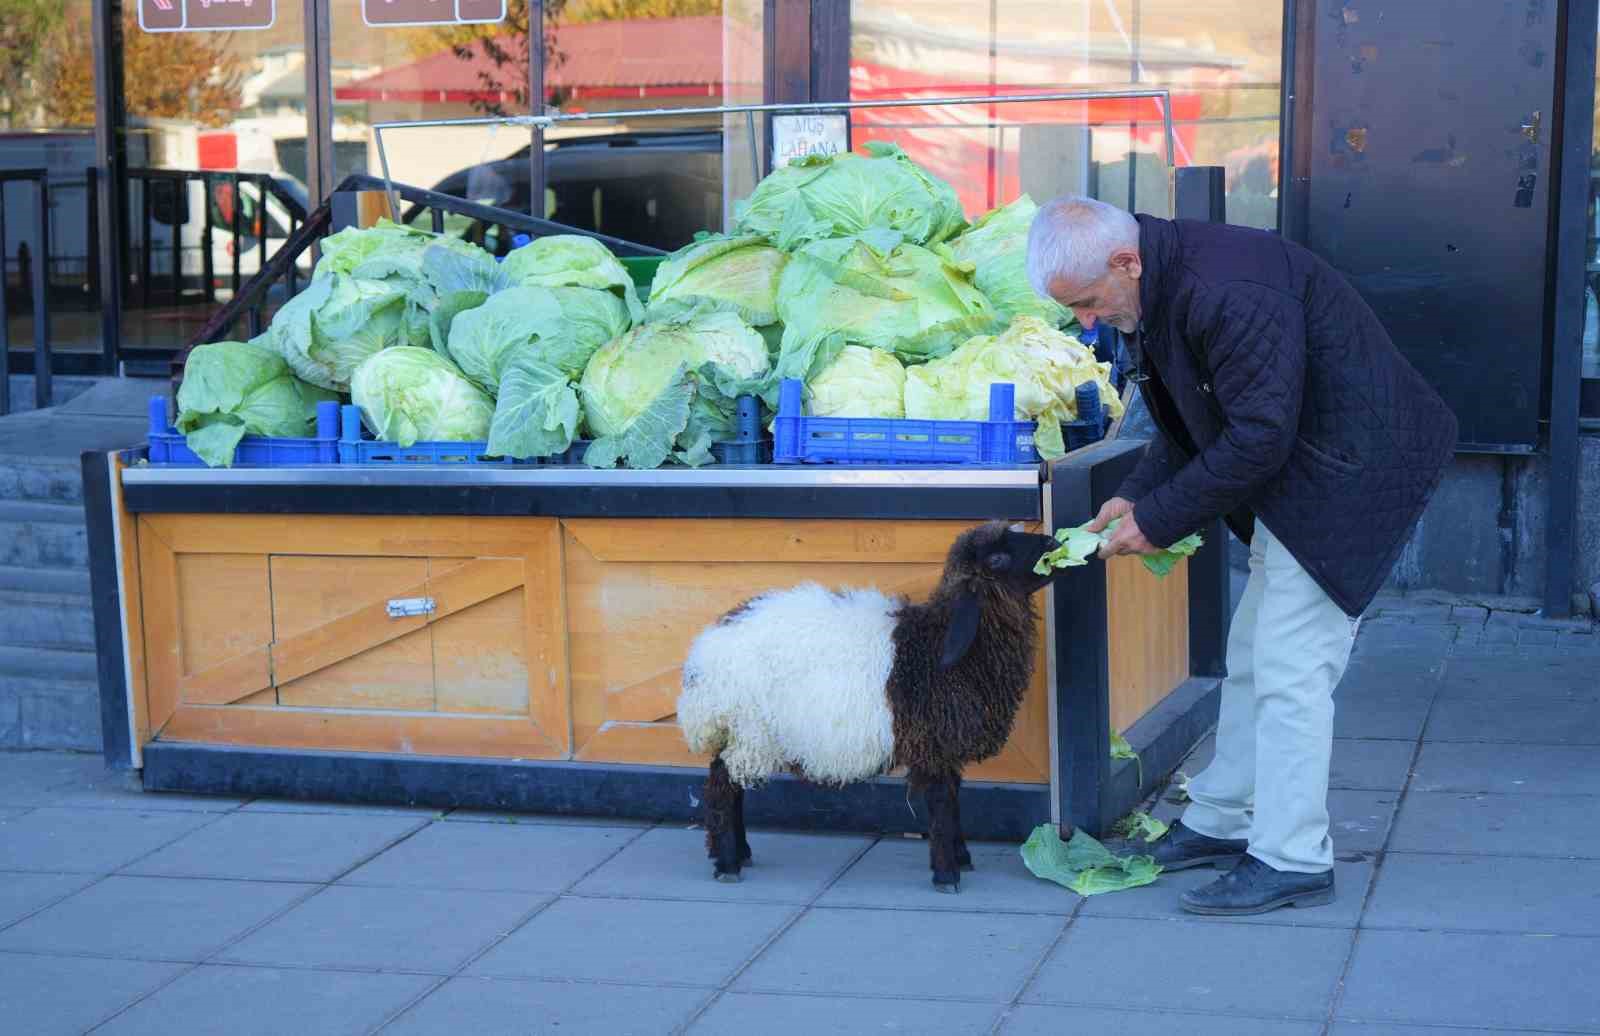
206 15
797 136
384 13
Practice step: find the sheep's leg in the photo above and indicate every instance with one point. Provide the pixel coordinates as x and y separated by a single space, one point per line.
940 797
738 826
963 854
721 809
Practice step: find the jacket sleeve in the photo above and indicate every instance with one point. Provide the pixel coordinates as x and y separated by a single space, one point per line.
1252 339
1159 463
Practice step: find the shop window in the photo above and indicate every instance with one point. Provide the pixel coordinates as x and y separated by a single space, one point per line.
1221 61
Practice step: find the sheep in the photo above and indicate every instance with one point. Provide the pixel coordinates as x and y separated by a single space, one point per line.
842 686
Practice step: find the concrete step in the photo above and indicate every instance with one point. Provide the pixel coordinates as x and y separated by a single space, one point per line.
43 535
66 620
73 581
49 481
54 662
44 712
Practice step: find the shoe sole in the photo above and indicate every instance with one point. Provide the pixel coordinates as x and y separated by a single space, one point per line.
1322 897
1228 859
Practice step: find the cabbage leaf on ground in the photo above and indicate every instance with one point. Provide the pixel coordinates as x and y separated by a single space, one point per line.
996 247
859 382
874 290
572 261
410 395
1045 365
736 273
841 195
1084 865
234 389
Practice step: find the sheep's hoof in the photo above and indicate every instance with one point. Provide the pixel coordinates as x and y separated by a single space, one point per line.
728 877
946 882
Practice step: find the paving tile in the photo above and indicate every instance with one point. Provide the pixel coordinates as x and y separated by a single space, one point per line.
1055 1020
1509 825
277 847
1507 769
742 1014
1358 821
73 840
12 812
1383 1029
493 856
651 942
27 778
57 996
359 809
1487 893
1488 981
152 918
1373 716
1370 765
903 953
22 894
243 1001
495 1006
894 873
1417 679
671 863
1532 678
1547 722
429 930
1160 900
1285 972
101 788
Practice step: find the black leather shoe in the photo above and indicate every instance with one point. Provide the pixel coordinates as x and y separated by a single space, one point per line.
1254 888
1181 848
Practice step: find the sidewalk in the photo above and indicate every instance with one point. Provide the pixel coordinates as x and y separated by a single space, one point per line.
1464 804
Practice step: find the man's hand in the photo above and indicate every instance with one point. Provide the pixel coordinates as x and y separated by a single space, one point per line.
1127 539
1114 508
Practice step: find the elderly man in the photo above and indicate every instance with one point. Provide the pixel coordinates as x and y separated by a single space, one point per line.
1284 407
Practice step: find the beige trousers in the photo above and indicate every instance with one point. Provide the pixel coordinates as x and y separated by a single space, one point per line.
1287 650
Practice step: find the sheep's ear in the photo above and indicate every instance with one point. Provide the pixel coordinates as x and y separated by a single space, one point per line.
963 629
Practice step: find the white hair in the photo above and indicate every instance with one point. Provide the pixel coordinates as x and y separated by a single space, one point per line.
1071 239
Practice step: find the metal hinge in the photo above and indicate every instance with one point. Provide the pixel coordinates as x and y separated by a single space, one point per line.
406 607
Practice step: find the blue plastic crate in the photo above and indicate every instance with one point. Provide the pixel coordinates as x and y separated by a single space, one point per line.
747 447
356 448
168 445
999 441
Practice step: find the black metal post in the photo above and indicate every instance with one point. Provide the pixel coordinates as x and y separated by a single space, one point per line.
91 205
536 170
5 313
110 200
42 394
180 188
1575 111
1200 193
263 188
233 180
144 242
207 263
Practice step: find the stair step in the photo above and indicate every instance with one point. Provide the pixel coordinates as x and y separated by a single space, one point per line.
54 481
55 662
49 712
44 581
43 535
27 617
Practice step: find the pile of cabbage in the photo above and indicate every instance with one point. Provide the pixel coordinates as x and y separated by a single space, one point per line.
857 274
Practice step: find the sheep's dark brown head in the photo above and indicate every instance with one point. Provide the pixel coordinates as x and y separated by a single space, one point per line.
988 565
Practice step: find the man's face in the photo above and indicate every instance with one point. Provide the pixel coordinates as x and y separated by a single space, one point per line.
1112 298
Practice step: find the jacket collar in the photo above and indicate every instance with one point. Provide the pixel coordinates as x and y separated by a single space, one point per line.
1158 252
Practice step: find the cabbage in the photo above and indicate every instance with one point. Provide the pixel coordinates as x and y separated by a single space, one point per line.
669 387
997 248
874 290
484 340
409 395
593 318
860 382
234 389
338 321
839 195
739 274
350 247
572 261
537 412
1045 365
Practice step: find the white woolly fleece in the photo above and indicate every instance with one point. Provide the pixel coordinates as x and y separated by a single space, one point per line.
796 681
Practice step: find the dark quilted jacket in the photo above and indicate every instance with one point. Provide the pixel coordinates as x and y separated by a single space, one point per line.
1279 396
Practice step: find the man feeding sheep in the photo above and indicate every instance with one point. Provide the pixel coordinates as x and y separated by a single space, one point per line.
1283 406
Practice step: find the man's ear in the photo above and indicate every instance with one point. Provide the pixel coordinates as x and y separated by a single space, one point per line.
1128 261
962 631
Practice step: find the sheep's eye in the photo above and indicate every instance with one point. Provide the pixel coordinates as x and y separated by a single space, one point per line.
999 562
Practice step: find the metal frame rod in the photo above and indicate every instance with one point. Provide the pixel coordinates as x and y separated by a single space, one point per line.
544 122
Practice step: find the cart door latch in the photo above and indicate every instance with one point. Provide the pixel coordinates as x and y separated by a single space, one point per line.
406 607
